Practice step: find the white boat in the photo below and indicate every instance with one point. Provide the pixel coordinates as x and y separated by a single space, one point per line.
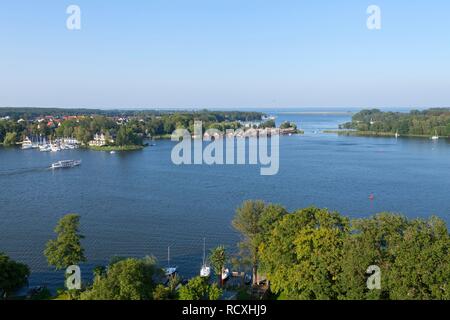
435 137
45 148
205 271
112 152
55 148
396 135
66 164
170 271
27 144
225 274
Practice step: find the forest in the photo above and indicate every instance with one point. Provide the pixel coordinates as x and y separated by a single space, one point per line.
415 123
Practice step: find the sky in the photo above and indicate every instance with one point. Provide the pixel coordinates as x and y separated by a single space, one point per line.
225 54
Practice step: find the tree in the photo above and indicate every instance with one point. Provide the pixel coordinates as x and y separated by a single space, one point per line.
268 124
129 279
301 256
421 270
10 139
198 288
13 275
126 136
368 246
66 249
254 220
218 258
287 125
162 292
413 256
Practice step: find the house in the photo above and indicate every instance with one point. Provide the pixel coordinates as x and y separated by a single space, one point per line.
100 140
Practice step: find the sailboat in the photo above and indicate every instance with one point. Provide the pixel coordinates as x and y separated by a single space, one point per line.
205 271
435 137
170 271
396 135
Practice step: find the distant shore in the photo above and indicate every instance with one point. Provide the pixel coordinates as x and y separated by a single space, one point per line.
116 148
344 113
375 134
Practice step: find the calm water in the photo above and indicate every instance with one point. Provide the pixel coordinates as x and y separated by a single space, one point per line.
135 204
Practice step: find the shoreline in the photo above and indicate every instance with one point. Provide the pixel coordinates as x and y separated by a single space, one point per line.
376 134
116 148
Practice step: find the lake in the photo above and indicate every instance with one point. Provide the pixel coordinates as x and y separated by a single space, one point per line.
138 203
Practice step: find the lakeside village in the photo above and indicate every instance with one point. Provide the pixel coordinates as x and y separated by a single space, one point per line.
125 133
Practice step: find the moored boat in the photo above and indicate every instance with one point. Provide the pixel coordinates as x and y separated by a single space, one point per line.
45 148
435 137
27 144
205 271
225 274
170 271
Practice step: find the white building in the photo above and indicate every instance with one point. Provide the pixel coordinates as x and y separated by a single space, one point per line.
99 140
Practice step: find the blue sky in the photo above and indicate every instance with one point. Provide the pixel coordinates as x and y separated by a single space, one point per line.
225 53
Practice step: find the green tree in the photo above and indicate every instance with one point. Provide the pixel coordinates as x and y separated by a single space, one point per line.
198 288
301 257
254 220
287 125
13 275
268 124
421 270
126 136
413 256
66 249
129 279
218 259
162 292
10 139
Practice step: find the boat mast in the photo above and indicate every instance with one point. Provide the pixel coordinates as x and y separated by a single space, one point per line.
204 251
168 256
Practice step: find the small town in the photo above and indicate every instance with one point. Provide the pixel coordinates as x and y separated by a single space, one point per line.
61 132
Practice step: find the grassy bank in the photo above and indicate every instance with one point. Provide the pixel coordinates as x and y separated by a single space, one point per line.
116 148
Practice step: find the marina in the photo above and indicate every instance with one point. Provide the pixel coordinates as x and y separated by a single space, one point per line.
42 144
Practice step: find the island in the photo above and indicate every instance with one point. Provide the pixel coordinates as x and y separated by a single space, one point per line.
434 123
